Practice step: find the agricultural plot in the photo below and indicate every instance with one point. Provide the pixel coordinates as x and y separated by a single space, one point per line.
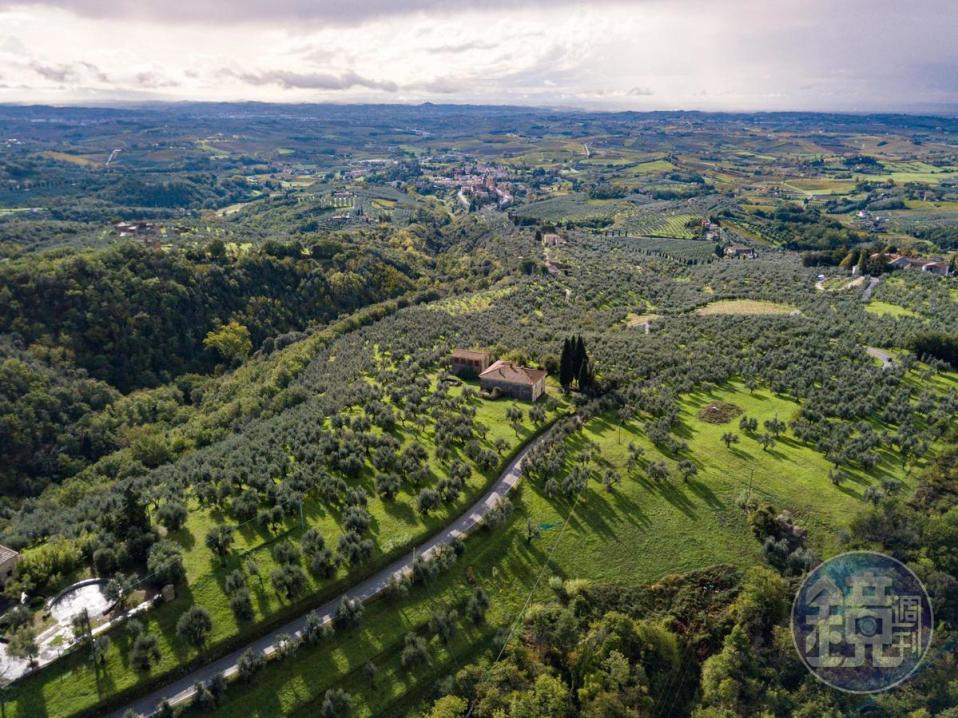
886 309
746 307
681 250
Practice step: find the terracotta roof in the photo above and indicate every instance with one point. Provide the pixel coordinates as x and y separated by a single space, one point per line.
512 373
469 354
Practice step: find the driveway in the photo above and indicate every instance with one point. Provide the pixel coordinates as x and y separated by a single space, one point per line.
182 688
886 359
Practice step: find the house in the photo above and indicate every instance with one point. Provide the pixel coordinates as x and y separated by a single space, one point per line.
739 250
899 262
8 562
466 362
940 268
552 240
519 382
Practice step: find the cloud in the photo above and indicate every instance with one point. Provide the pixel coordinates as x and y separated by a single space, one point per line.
54 73
153 81
325 11
462 47
640 92
311 80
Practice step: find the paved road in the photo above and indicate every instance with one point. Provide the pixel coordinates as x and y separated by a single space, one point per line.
182 688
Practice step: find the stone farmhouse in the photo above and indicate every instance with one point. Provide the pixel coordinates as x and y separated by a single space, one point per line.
510 379
466 362
8 562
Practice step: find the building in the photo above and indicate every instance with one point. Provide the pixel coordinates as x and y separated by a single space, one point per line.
466 362
8 562
896 261
940 268
552 240
739 250
519 382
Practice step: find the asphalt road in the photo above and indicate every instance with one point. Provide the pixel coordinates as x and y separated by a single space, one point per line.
182 689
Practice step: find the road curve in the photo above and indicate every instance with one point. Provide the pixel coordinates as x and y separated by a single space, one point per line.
182 689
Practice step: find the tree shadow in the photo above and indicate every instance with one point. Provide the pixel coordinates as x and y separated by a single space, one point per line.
704 492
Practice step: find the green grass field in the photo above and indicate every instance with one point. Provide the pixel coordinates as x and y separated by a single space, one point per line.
885 309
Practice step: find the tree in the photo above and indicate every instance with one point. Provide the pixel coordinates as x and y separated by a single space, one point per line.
585 378
219 539
249 664
414 652
119 590
729 437
775 426
567 364
537 414
766 440
610 478
165 562
657 470
635 456
100 647
370 671
337 703
477 605
688 469
514 415
145 651
23 644
288 580
242 605
427 501
348 613
172 515
194 626
231 341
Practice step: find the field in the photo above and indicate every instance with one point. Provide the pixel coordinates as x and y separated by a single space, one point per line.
746 307
885 309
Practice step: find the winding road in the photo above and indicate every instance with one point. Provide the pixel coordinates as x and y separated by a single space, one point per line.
182 689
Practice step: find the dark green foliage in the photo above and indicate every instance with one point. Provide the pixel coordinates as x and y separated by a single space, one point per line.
194 626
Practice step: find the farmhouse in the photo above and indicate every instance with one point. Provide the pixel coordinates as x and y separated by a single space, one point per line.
8 562
940 268
896 261
552 240
513 380
466 362
739 250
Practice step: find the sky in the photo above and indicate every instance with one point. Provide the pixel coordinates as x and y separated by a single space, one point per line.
841 55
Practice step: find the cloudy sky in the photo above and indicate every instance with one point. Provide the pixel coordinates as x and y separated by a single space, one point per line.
643 54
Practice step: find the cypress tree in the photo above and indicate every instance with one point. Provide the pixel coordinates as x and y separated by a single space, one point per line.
566 368
584 378
578 356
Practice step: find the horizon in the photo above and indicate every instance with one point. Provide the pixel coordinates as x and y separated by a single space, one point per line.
648 55
944 113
